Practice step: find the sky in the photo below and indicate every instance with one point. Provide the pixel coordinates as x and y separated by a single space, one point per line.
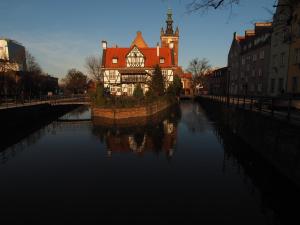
60 34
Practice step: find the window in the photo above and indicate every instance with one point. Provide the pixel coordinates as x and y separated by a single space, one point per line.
243 60
272 85
274 60
254 57
262 54
112 75
253 73
247 67
295 84
282 59
260 72
129 90
280 85
259 87
164 72
162 60
115 60
297 55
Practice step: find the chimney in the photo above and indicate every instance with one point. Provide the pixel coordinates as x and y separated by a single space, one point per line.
234 35
171 45
157 49
104 45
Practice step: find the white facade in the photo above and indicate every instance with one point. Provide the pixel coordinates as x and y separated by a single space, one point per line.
122 81
12 54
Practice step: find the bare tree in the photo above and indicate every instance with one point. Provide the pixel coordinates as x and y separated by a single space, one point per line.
32 65
94 69
75 81
199 68
197 5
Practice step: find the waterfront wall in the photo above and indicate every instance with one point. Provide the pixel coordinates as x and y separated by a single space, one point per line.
131 112
277 141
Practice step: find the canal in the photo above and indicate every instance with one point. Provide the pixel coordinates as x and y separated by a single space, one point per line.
181 168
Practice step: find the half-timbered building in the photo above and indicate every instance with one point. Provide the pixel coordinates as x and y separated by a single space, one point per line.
123 68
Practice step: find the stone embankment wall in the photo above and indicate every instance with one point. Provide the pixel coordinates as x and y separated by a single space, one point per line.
132 112
17 123
276 140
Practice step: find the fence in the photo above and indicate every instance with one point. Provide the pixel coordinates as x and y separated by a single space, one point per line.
19 101
281 107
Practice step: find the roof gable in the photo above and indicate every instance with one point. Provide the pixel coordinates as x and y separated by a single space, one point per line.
150 56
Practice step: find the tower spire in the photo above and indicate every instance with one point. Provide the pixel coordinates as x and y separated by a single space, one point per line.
169 22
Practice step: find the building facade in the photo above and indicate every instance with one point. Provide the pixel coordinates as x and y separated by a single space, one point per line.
280 46
233 65
255 56
293 83
187 87
123 68
218 82
12 55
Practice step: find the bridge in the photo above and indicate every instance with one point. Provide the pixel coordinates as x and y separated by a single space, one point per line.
8 103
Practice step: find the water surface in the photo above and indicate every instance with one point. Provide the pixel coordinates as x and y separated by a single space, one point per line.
179 168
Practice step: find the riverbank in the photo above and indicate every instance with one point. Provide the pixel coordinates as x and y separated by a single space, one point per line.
17 123
277 141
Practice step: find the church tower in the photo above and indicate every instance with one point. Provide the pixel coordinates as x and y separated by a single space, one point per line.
169 38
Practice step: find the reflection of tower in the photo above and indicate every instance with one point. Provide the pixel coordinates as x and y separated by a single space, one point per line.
168 36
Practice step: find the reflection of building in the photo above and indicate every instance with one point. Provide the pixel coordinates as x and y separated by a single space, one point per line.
218 81
143 140
12 54
123 68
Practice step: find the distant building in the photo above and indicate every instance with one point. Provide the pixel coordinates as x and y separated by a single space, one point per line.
233 64
218 83
186 80
13 55
123 68
248 61
293 85
280 46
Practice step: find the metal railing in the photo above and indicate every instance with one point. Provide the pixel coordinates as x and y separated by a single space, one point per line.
280 107
19 101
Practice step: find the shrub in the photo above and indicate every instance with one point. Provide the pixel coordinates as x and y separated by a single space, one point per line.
138 92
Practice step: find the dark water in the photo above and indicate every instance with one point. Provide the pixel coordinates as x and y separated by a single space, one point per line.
181 168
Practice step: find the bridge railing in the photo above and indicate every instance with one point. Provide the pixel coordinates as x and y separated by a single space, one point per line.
12 101
286 107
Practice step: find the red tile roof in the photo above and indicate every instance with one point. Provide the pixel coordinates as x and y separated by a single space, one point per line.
150 54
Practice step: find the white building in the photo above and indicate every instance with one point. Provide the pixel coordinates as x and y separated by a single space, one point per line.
123 68
12 54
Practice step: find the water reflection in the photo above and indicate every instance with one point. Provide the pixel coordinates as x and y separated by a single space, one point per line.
82 172
157 134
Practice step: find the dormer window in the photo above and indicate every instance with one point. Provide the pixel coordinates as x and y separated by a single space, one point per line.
162 60
115 60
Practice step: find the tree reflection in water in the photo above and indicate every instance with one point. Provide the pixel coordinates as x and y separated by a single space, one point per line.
155 134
